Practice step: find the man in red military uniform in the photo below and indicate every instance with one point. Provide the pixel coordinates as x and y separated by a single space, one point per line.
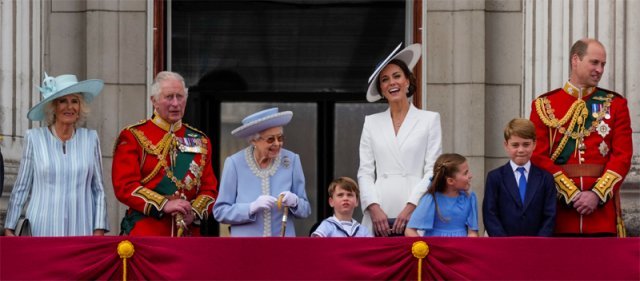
584 140
162 167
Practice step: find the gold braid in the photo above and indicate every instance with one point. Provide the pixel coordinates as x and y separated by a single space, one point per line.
578 114
160 150
546 113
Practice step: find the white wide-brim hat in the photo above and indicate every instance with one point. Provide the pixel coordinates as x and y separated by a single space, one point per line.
409 55
55 87
262 120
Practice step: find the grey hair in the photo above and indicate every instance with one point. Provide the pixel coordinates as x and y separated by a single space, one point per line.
256 136
164 76
50 109
253 137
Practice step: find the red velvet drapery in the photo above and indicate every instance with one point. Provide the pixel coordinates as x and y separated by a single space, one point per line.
96 258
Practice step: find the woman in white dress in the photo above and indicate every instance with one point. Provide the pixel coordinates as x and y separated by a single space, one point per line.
61 166
398 147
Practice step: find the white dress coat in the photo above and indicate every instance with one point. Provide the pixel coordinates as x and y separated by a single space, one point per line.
395 169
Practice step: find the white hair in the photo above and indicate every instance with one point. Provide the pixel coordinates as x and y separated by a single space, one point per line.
164 76
253 137
256 136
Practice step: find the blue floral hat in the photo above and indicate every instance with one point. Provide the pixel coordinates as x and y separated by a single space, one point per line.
409 55
55 87
262 120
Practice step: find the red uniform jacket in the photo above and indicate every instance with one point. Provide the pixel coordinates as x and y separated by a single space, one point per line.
586 144
144 177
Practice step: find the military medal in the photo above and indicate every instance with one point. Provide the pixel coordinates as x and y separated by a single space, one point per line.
191 145
604 149
194 168
595 109
603 129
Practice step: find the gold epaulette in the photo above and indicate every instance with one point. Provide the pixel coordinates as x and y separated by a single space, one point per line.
615 95
565 186
604 185
194 129
550 92
127 128
141 122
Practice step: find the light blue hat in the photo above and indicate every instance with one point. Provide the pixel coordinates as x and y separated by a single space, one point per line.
55 87
262 120
409 55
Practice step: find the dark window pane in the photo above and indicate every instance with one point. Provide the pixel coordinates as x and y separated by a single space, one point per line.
286 46
348 128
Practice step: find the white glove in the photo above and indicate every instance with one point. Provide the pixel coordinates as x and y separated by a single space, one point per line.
263 202
290 199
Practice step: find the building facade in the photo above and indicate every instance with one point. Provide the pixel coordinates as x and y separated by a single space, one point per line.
485 62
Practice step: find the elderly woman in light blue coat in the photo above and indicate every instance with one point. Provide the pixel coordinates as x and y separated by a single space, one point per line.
263 180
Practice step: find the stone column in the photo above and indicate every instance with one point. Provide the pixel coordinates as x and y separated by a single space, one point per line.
20 60
456 79
116 51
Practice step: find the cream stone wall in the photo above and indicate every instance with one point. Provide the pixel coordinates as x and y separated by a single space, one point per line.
92 39
486 61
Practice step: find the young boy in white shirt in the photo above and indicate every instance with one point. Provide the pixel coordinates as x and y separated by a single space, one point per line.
344 195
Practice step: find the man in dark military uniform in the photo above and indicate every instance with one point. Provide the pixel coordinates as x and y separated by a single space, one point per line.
584 140
162 167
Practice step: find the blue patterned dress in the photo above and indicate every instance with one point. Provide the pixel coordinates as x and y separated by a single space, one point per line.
66 189
455 215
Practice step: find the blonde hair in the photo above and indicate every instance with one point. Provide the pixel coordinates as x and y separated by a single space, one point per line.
520 127
50 109
346 183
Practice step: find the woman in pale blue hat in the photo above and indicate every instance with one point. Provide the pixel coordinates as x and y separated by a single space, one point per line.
398 147
61 166
262 182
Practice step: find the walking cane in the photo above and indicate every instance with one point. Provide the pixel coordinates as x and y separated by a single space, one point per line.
285 213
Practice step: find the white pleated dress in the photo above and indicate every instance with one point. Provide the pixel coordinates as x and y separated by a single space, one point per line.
66 189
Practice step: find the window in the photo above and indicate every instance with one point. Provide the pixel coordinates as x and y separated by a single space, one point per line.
311 57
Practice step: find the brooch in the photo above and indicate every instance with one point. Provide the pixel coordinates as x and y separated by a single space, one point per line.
603 129
604 149
286 162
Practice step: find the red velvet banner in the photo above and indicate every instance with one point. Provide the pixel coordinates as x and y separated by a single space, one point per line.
96 258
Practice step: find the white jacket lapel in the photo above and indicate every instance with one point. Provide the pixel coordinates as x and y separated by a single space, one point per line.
390 138
409 123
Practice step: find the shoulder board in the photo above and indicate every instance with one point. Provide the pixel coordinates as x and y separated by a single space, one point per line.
140 123
194 129
550 92
611 92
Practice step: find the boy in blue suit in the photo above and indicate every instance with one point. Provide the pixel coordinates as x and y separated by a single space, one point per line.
519 198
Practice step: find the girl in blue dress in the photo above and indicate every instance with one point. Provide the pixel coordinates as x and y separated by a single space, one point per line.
448 208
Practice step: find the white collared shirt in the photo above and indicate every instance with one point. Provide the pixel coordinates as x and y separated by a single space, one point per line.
527 169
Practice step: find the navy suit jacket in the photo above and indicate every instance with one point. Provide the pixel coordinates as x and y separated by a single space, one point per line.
504 213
